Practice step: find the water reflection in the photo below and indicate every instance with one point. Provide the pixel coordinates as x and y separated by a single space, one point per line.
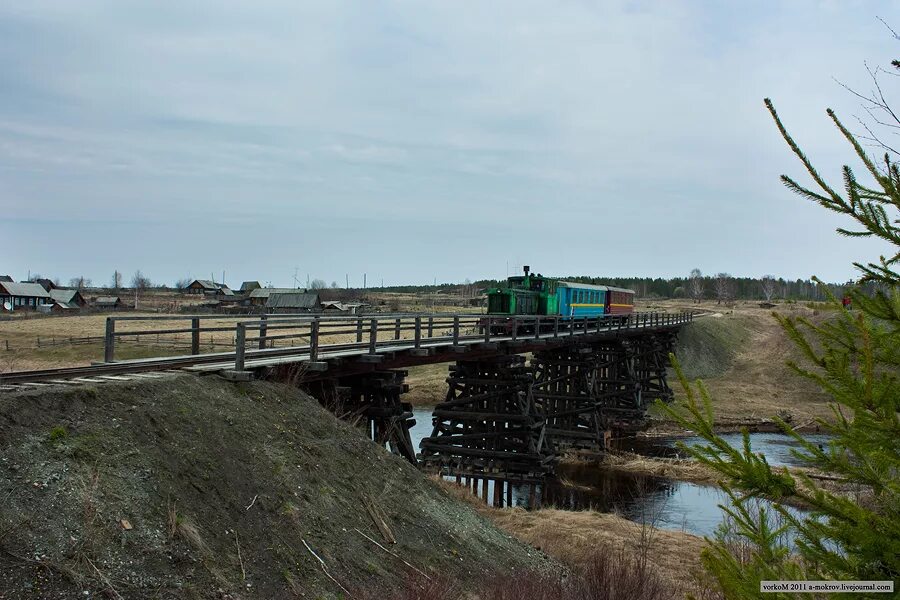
662 502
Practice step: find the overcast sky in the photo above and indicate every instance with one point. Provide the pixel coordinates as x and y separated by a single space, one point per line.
421 140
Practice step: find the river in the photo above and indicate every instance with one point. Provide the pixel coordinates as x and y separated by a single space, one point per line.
664 503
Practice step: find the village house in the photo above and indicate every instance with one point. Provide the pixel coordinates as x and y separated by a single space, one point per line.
108 303
249 286
68 298
6 279
208 288
45 283
293 302
23 295
259 296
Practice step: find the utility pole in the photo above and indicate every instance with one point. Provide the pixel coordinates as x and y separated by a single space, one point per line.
364 282
347 281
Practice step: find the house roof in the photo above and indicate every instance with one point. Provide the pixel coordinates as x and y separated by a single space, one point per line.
206 284
301 300
250 285
6 278
32 290
65 297
266 292
107 300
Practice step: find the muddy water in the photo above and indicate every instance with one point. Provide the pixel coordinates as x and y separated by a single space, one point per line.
662 502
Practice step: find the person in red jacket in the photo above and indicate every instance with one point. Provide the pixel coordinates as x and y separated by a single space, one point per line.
847 302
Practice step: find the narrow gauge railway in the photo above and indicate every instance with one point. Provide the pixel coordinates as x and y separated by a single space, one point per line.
402 339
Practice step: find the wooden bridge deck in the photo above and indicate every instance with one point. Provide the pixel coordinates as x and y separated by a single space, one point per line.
380 341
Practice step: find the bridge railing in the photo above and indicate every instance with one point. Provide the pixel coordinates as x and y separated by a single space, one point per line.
222 329
366 335
281 334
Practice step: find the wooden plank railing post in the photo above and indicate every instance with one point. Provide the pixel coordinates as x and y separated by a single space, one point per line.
515 327
195 335
109 340
240 347
418 332
397 329
373 335
263 327
359 331
487 330
314 340
556 326
456 331
430 327
537 328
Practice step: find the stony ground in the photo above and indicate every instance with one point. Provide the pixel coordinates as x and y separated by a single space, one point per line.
199 488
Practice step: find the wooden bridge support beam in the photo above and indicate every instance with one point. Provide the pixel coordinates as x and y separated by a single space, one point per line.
373 402
486 428
564 396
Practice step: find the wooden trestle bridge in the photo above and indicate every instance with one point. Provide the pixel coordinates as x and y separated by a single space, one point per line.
505 419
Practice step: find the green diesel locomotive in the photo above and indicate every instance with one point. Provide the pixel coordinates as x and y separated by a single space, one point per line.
534 294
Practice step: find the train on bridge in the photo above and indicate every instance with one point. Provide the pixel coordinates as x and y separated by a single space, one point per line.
534 294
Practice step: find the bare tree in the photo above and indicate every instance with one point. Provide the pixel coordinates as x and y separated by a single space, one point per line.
139 281
334 285
768 286
696 286
116 280
182 283
318 284
80 282
724 288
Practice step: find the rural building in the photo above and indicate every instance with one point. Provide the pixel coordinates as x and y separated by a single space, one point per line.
332 306
336 306
249 286
55 308
6 279
23 295
208 288
258 297
293 302
108 303
68 298
45 283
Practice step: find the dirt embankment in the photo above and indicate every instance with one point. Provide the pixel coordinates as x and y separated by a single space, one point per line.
741 357
197 488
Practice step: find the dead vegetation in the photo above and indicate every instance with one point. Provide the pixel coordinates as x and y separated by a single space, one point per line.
588 540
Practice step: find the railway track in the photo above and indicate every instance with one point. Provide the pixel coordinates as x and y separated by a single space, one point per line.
442 335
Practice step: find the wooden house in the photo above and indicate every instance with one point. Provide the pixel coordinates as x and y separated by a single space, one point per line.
68 298
208 288
293 302
23 295
108 303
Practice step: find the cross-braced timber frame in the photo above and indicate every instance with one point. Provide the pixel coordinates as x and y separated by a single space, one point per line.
372 401
487 428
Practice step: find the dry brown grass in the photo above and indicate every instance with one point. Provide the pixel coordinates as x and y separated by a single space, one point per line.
758 385
427 385
573 536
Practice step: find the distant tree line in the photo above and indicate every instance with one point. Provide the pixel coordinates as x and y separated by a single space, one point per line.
721 287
